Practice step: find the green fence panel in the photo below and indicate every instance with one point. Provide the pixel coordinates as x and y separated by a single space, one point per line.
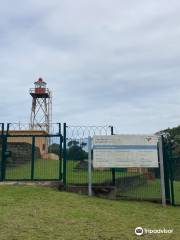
32 157
47 158
18 161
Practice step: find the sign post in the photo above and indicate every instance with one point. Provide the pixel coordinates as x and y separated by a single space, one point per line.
161 160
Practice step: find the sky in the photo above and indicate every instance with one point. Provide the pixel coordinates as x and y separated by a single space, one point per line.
107 62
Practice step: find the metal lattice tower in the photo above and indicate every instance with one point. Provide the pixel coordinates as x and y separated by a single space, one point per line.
41 110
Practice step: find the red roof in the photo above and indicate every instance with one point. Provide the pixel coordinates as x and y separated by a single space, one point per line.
40 80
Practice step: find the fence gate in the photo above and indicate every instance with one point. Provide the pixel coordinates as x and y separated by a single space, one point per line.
33 156
172 164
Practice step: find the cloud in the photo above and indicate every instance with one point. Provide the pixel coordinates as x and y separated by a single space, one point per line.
107 62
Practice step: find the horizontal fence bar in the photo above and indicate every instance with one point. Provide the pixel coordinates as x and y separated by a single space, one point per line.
29 180
33 135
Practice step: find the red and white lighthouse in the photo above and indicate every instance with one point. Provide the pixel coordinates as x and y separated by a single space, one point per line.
41 110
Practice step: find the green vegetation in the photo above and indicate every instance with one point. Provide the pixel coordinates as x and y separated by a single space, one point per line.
49 169
74 150
43 169
150 190
177 192
37 213
173 137
138 188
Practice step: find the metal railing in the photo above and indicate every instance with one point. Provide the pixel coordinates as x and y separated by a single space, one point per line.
35 91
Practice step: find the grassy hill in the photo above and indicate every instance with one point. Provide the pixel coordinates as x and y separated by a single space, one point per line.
28 212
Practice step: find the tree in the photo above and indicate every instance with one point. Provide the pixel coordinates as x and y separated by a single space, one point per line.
172 141
75 151
73 143
54 148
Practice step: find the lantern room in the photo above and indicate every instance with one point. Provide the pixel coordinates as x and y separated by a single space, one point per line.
40 90
40 86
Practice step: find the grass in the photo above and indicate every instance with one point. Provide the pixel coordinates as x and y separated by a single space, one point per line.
98 176
44 169
177 192
49 169
31 212
150 190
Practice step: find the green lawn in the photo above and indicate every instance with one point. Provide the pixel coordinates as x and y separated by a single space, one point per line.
150 190
49 169
43 169
98 176
177 192
37 213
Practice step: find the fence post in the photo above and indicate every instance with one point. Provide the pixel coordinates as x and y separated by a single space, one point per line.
59 128
171 175
2 128
113 170
161 159
2 153
33 157
8 125
4 150
64 155
166 170
60 152
89 167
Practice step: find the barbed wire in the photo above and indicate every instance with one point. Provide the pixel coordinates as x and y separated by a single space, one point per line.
19 126
81 132
73 131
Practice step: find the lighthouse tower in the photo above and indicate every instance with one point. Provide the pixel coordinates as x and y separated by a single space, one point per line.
41 110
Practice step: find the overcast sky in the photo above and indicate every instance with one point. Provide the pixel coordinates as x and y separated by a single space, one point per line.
106 61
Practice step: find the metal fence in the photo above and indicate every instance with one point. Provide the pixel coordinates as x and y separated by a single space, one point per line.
30 155
76 166
63 155
128 183
172 163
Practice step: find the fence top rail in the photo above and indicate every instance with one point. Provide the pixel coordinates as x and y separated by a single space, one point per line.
33 135
89 126
20 126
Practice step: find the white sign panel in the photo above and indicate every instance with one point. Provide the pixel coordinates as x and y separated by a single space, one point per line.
123 151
